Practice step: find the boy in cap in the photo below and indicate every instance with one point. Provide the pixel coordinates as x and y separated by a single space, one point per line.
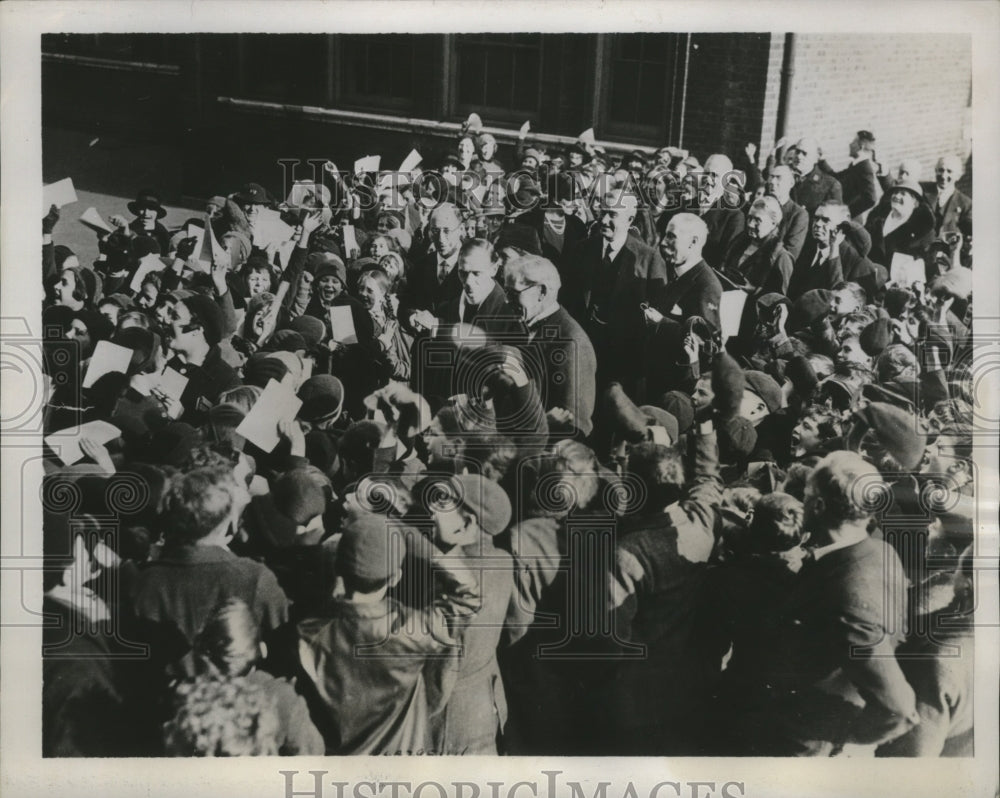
379 673
467 512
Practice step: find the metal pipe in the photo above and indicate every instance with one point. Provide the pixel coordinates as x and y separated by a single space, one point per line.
785 91
684 90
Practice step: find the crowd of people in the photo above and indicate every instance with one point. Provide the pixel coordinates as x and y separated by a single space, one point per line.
594 454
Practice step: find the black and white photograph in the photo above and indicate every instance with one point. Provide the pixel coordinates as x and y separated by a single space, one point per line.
572 389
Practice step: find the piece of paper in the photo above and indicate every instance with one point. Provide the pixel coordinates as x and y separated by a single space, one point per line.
587 137
268 229
107 358
350 240
66 443
474 124
731 312
150 263
524 129
170 382
58 194
304 194
906 270
94 221
370 163
260 426
411 161
307 368
342 323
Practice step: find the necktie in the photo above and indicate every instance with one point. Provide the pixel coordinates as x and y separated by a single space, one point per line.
820 253
442 271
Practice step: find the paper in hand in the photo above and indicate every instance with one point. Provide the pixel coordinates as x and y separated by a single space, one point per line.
524 129
66 443
260 426
150 263
58 194
342 324
350 240
370 163
731 312
587 137
169 382
268 229
94 221
107 358
411 161
906 270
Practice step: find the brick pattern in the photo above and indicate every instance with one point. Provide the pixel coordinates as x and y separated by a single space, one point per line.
912 91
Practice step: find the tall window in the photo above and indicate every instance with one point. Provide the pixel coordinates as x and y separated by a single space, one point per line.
641 79
385 71
499 74
289 68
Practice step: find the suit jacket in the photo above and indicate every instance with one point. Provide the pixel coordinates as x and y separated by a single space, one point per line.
794 227
910 238
860 187
956 214
815 188
423 292
641 277
494 316
697 292
768 269
575 232
564 358
806 277
724 226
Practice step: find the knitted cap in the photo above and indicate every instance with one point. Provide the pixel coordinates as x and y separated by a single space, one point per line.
309 327
298 495
367 549
322 397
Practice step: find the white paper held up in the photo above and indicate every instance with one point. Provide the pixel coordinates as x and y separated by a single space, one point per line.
260 426
411 161
66 443
107 358
95 221
731 312
906 270
342 324
370 163
59 193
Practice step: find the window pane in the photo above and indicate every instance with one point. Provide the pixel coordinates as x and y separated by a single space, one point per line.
288 68
379 66
499 71
640 76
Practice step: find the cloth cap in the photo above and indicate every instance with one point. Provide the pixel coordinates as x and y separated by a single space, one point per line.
322 396
309 327
262 368
808 308
298 495
658 417
680 406
486 499
287 341
875 337
764 386
367 549
898 431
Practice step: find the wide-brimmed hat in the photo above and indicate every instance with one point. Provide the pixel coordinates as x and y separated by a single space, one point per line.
253 194
147 199
909 185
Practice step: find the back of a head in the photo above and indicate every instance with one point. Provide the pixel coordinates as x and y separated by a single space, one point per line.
777 523
197 502
661 471
229 642
851 488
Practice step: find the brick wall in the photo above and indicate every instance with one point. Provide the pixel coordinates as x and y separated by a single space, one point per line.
728 79
912 91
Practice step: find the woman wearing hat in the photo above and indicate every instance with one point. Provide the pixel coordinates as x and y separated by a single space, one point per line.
905 226
148 211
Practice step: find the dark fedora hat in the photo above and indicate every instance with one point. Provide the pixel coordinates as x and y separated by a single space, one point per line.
253 194
147 199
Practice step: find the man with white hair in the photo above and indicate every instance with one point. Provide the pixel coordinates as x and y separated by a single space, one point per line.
814 186
720 203
692 288
558 347
609 276
952 209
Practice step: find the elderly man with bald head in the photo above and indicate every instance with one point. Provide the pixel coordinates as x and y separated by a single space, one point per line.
952 209
720 204
814 186
609 276
692 288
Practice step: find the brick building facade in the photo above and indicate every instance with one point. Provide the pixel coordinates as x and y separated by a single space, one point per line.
230 102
